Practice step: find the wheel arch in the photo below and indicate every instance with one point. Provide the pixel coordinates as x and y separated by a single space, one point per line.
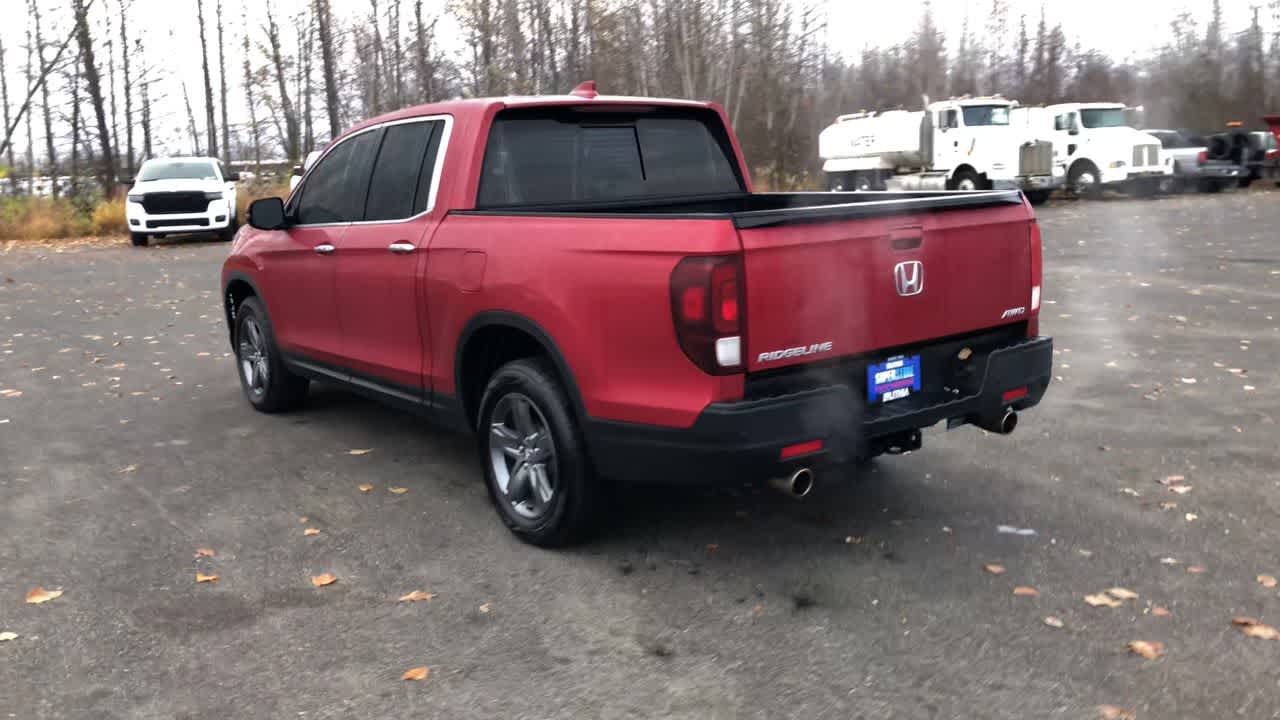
515 336
238 287
1083 163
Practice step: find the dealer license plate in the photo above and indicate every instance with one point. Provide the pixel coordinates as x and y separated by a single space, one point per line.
893 379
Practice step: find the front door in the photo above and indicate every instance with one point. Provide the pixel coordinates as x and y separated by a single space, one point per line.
300 263
381 258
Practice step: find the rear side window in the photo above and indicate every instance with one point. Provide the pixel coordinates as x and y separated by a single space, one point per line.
562 156
398 174
335 191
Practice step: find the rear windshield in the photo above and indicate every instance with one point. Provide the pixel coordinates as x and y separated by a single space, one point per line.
177 170
562 156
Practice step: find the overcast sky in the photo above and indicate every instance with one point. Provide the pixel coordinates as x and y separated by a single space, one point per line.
1123 29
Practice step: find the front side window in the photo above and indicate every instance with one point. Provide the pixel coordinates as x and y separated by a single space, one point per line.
984 115
1103 117
177 170
335 191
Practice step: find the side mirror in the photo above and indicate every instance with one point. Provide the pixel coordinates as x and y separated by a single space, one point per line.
232 177
267 214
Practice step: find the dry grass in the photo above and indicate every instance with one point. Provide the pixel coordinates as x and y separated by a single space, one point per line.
248 192
109 218
25 218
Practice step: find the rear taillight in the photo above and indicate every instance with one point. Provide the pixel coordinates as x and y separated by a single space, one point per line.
1203 157
1037 277
706 306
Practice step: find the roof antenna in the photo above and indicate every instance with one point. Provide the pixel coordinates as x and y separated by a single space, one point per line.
586 89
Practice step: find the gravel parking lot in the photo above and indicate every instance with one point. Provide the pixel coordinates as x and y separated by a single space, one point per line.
126 446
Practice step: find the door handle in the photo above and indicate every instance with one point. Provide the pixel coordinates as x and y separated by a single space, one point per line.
324 249
401 248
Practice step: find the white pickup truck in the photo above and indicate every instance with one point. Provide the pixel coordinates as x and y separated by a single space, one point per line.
181 195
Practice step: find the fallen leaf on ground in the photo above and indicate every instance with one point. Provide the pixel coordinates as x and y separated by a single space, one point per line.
1253 628
1054 622
322 580
1159 611
1180 489
1120 593
712 547
1168 505
416 595
398 490
126 469
204 552
1192 517
1112 712
311 531
1102 600
1189 381
1196 569
1149 649
486 608
1025 591
201 577
1172 480
364 487
994 568
7 636
1169 561
418 673
302 519
360 451
40 595
1267 581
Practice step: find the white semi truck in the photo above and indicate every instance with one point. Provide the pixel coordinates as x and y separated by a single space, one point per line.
964 144
1097 148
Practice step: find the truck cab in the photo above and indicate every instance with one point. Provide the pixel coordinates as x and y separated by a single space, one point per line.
1098 148
956 144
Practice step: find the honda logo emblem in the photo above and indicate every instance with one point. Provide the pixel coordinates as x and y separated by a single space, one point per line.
909 277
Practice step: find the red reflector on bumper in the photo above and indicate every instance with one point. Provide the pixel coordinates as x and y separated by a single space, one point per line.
799 449
1014 394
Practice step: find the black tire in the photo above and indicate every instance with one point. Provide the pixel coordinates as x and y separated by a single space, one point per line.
1210 186
966 180
138 239
1037 197
1079 171
572 512
1246 181
838 182
281 390
228 233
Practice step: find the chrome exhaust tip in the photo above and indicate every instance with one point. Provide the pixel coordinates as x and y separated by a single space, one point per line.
797 484
1002 425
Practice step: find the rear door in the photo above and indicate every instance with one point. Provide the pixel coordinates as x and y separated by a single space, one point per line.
381 257
873 284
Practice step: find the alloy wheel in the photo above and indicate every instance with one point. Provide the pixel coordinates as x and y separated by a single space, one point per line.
522 454
254 356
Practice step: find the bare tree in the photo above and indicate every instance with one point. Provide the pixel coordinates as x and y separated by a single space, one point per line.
424 36
50 154
31 90
222 89
211 129
146 112
129 157
324 26
191 122
290 135
74 82
93 81
397 55
4 100
375 85
251 100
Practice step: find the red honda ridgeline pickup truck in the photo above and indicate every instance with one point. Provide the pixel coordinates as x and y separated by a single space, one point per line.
590 285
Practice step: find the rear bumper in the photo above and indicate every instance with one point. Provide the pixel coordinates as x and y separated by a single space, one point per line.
739 441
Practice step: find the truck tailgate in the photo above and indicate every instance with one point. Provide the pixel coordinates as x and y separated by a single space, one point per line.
870 281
